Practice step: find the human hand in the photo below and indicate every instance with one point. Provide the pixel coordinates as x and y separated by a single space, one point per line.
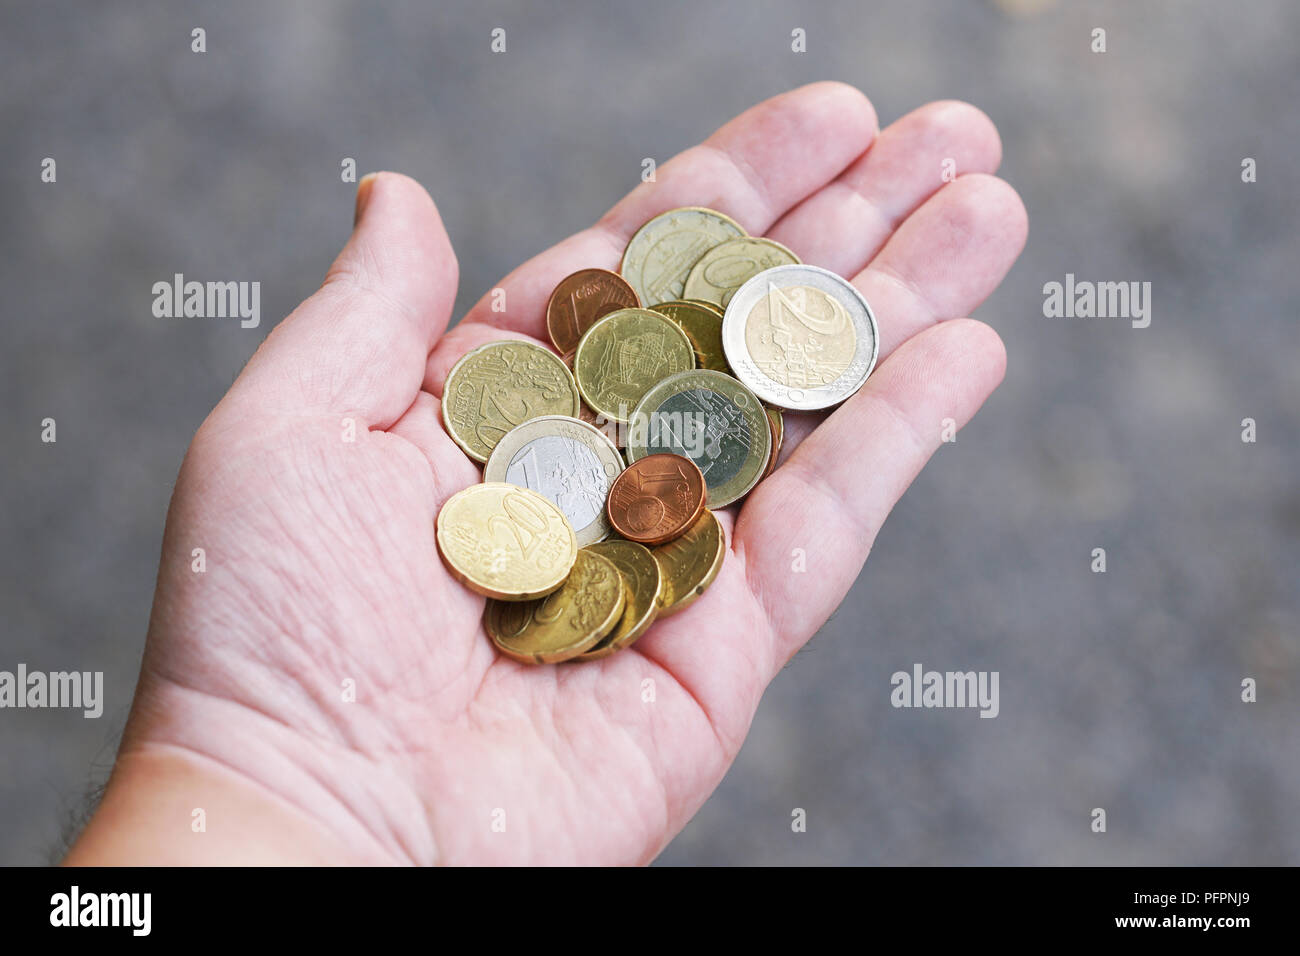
321 565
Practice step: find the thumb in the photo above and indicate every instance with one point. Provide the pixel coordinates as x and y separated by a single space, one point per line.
359 344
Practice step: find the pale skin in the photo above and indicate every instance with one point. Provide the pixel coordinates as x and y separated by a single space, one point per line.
321 566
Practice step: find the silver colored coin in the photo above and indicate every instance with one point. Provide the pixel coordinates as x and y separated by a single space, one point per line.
800 337
566 460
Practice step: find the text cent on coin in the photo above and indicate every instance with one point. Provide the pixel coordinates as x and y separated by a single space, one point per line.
570 462
505 542
565 623
582 298
656 499
800 337
500 385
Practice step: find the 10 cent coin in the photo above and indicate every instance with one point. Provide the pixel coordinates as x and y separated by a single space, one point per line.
660 255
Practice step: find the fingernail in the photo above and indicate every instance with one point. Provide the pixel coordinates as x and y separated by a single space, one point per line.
363 196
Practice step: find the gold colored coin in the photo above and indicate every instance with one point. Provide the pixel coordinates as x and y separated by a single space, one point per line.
505 542
777 421
500 385
564 624
711 306
623 355
642 577
702 324
726 267
690 563
661 254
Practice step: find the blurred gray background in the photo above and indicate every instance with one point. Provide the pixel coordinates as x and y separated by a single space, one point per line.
1118 690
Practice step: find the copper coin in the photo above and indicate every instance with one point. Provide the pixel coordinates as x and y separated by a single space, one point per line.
582 298
656 499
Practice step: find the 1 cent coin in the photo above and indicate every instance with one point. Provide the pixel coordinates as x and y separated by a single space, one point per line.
656 499
582 298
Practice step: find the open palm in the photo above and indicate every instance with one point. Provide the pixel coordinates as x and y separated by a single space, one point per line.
313 486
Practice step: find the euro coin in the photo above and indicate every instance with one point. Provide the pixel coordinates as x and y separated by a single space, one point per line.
570 462
505 542
563 624
689 564
642 578
777 421
702 324
800 337
656 499
582 298
713 420
711 306
726 267
500 385
660 255
623 355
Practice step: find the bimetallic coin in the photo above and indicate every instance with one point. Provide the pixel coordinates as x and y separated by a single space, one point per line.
623 355
500 385
726 267
690 564
800 337
656 499
713 420
661 254
702 324
570 462
582 298
505 542
642 577
777 421
564 624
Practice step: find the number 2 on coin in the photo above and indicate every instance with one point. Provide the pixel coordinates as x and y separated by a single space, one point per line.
521 515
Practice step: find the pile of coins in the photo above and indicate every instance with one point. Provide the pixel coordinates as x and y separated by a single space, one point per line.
604 460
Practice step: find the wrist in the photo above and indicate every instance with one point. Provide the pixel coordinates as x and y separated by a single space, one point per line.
211 782
168 807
